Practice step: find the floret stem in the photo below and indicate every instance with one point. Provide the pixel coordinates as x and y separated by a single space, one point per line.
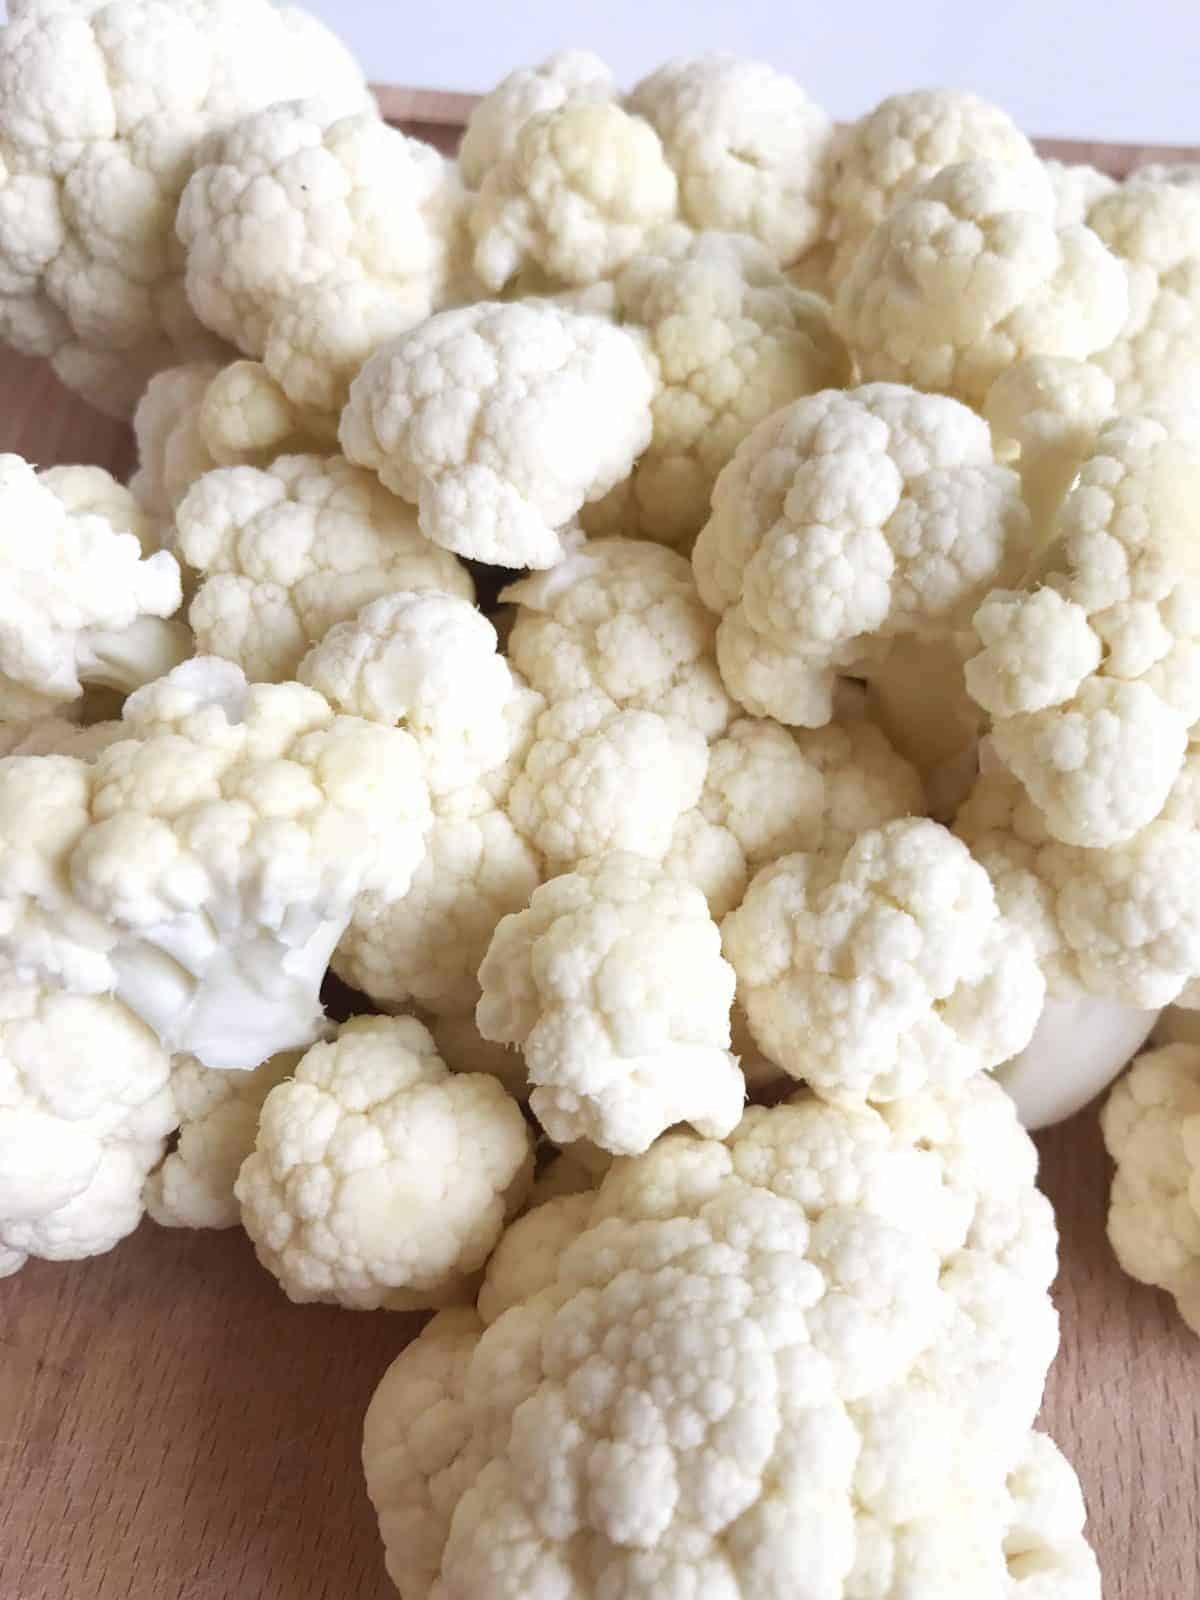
126 658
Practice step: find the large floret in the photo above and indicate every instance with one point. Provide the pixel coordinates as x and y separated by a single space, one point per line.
729 340
286 552
499 422
968 275
748 146
566 77
1152 1129
874 971
807 1361
104 111
84 1115
613 984
379 1177
79 603
204 867
848 519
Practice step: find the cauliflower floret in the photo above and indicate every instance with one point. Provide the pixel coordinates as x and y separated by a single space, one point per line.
379 1177
875 971
78 602
769 792
55 736
601 778
763 1367
1151 1126
613 984
204 867
104 109
750 149
286 553
500 421
568 77
1092 672
907 139
845 519
299 193
218 1115
1153 229
968 275
84 1114
574 197
1076 187
730 340
1045 1551
623 617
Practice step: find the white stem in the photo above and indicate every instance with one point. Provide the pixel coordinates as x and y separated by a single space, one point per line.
1078 1048
126 658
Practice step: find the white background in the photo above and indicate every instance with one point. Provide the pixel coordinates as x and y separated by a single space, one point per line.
1110 69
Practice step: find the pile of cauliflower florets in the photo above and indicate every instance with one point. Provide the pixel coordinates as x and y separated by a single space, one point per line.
833 745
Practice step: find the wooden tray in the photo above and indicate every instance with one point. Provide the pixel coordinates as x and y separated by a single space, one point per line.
173 1429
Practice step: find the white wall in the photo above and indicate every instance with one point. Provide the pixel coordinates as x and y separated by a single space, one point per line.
1085 68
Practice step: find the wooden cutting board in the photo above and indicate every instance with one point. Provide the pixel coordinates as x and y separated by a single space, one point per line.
171 1428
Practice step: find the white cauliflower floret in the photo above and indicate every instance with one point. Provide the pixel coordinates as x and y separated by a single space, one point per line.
1153 229
613 984
906 140
574 197
1092 672
525 1262
1151 1126
804 1362
427 663
729 340
379 1177
499 422
748 146
968 275
84 1113
104 110
218 1115
601 778
298 194
875 971
845 519
287 552
769 792
79 604
204 867
623 617
1076 187
566 77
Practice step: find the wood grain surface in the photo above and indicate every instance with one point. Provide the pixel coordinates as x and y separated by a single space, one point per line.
171 1428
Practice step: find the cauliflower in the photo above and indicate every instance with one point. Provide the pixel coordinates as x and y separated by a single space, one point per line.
104 109
873 971
845 519
1151 1125
500 421
1076 188
599 778
204 867
84 1115
622 617
1092 672
769 792
803 1362
299 195
379 1177
55 736
573 198
968 275
750 149
78 602
568 77
1153 229
907 139
285 553
218 1117
612 983
195 418
730 340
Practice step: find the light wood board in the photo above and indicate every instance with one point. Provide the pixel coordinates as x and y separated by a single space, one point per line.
171 1428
